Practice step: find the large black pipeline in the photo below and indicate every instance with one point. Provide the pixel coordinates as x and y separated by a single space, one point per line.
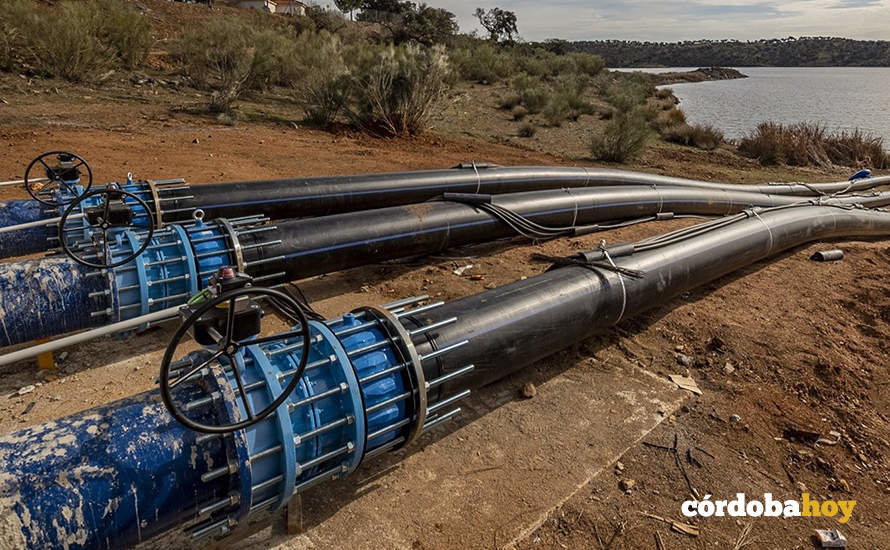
151 475
515 325
333 243
53 296
305 197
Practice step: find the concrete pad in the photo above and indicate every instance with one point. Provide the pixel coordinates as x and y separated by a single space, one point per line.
492 477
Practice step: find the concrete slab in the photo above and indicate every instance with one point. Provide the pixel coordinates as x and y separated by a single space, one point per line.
492 477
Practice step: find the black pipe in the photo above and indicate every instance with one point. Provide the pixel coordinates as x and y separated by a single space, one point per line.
513 326
307 197
331 243
304 248
302 197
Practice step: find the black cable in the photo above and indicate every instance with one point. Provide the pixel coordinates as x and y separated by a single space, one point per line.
296 294
519 223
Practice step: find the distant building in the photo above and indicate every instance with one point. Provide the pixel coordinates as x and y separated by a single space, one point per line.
283 7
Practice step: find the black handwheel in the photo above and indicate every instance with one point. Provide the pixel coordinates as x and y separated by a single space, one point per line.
113 212
227 346
64 165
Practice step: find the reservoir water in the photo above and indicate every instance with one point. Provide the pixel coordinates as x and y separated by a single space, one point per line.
838 97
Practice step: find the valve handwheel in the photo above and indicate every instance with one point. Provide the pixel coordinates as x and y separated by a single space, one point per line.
112 212
64 165
228 312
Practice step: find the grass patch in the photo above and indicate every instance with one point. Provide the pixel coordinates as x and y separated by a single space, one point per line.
701 136
810 144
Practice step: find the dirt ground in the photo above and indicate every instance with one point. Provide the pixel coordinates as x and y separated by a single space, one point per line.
784 344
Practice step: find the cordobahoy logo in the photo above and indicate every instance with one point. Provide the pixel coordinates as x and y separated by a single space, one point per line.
769 507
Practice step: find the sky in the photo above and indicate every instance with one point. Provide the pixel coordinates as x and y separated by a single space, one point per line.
684 19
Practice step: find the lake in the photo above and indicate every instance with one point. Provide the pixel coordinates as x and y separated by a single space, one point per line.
839 97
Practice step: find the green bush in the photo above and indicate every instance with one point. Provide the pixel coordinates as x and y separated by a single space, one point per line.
323 86
698 135
123 29
624 137
76 41
556 111
535 99
572 91
528 130
397 89
587 64
219 57
483 62
275 60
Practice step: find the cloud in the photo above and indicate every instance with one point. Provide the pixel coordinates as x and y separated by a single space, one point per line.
853 4
661 20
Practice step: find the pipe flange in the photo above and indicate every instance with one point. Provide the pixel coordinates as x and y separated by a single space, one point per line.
159 214
403 342
236 243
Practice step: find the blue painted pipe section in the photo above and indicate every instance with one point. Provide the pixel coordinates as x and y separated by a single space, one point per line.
26 241
56 295
43 238
94 480
120 474
49 296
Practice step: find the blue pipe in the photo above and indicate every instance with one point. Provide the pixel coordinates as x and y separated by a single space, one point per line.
57 295
114 485
26 241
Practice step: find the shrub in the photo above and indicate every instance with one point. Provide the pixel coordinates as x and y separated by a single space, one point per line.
571 91
535 99
557 110
623 138
805 144
510 102
587 64
668 119
528 130
702 136
857 148
397 89
773 143
275 60
126 31
628 92
76 41
218 57
519 113
664 93
323 87
483 63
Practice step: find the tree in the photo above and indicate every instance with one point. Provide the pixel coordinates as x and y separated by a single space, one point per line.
410 22
348 6
428 25
499 23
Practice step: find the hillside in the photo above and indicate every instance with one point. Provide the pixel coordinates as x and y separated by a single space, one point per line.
780 52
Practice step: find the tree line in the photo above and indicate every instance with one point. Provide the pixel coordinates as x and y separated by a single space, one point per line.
780 52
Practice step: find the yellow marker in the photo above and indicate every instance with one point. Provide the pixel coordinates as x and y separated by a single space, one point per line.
45 360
